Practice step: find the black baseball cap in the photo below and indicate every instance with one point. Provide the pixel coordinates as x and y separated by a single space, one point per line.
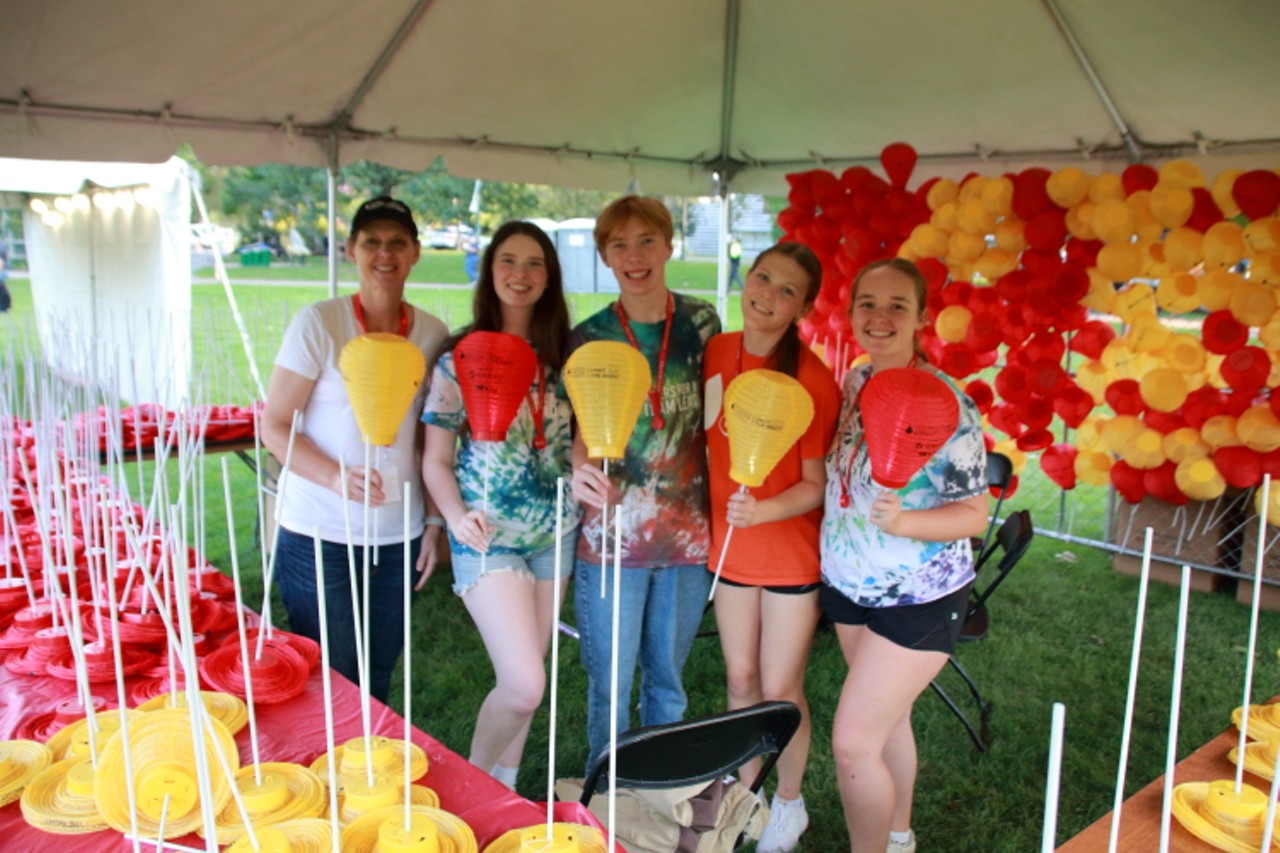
384 207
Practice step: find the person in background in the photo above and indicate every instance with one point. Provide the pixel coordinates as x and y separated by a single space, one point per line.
471 255
660 486
6 300
896 567
766 601
384 247
504 558
735 262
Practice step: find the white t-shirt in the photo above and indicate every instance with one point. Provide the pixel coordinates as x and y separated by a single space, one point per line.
312 345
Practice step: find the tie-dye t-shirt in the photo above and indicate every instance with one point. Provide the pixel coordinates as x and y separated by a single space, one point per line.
877 569
664 473
522 479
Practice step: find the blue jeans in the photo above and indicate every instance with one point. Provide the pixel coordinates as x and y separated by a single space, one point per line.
660 613
295 573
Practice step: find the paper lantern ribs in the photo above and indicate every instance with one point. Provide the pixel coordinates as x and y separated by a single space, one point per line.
494 372
765 413
907 414
381 373
607 382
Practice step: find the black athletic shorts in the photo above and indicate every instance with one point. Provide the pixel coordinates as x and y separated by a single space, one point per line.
933 626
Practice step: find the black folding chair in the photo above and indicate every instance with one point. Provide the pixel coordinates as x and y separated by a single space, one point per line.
1011 541
698 750
999 474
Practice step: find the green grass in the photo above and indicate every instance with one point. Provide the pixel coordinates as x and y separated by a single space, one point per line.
1062 631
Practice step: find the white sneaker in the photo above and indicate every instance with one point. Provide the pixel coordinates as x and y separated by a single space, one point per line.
787 820
908 846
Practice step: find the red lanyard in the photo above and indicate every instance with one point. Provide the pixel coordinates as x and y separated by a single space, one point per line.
655 392
847 473
539 409
359 309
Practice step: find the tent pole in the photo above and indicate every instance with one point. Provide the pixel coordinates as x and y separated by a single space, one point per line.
332 175
722 249
1095 81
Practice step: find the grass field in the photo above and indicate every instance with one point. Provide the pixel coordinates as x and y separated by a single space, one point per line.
1062 631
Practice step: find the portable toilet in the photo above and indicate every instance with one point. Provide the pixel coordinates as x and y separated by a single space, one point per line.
580 263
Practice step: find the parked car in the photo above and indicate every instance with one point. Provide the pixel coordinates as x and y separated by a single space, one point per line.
445 237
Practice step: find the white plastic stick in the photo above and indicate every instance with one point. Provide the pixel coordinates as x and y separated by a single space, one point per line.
1253 628
1131 697
123 706
724 549
1175 711
484 503
613 680
363 625
240 629
604 532
555 657
1053 778
325 677
354 584
408 646
264 628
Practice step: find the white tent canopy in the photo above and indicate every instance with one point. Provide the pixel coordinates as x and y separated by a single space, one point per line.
665 93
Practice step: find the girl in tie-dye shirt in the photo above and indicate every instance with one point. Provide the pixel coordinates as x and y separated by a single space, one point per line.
498 499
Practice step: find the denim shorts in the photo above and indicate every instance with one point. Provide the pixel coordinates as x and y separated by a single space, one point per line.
539 566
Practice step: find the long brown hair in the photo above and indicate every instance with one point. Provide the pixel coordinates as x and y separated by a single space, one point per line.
918 283
549 327
786 355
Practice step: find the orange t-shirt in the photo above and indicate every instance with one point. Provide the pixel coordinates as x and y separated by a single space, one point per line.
783 553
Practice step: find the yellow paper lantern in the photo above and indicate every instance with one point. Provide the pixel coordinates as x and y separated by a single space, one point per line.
565 838
382 829
1120 261
1273 505
1177 293
1145 224
928 241
1265 268
1093 468
1259 429
1183 248
997 196
1269 334
1102 293
20 762
1185 443
1068 187
964 247
1182 173
1011 235
1117 432
1220 189
1198 478
607 383
60 799
1215 289
1253 304
1106 187
1113 221
993 263
1148 334
1260 235
1185 354
382 373
765 413
1171 204
1163 389
952 323
1223 245
1009 447
1093 376
974 217
1220 431
1144 449
1079 221
1135 300
942 192
1213 370
944 216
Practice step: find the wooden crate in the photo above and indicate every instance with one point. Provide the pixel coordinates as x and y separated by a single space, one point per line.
1169 550
1270 594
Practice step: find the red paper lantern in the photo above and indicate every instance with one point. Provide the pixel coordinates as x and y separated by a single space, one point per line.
1036 412
1004 417
1127 481
1092 338
1240 466
1008 491
1073 405
1159 482
1137 177
1058 462
985 330
1047 377
1013 384
1223 333
1163 422
981 394
1202 404
1205 212
1033 440
1257 193
1083 252
957 361
1246 369
908 414
1029 194
899 160
1046 230
1125 398
494 371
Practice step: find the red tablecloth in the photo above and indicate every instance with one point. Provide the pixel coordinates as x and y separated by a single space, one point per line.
290 731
